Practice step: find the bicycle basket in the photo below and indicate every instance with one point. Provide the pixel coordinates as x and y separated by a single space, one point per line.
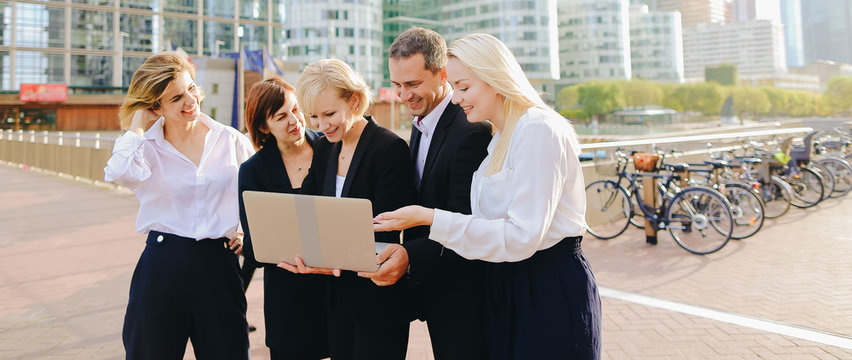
645 161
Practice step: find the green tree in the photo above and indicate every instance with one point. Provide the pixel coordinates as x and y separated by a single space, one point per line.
706 98
838 94
600 98
780 101
750 101
723 74
641 93
568 98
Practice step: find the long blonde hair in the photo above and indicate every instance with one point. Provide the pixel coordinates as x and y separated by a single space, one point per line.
492 62
150 82
336 74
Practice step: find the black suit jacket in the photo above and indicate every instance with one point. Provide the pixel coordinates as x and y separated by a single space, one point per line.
456 151
381 171
288 298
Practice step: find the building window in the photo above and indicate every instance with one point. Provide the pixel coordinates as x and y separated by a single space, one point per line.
253 9
218 37
181 6
91 30
91 71
40 26
38 68
139 30
181 33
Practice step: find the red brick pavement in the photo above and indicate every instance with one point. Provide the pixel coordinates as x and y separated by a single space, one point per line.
67 250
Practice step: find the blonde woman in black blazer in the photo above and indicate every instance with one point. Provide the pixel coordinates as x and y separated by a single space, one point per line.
358 158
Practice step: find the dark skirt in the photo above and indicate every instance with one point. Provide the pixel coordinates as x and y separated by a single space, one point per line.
294 309
545 307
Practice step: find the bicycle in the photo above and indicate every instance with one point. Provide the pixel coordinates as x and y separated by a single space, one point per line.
699 219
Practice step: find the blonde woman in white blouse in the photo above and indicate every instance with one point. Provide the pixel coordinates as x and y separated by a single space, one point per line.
528 216
182 165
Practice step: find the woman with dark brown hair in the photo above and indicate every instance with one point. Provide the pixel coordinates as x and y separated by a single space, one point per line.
293 305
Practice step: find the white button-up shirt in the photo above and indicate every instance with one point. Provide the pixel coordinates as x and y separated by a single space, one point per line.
427 126
176 196
537 199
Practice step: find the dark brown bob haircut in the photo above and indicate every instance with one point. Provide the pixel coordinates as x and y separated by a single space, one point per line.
264 99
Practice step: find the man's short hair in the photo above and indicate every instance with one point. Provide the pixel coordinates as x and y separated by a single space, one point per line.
424 41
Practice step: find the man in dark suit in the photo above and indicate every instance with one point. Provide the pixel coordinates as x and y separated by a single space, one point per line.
446 149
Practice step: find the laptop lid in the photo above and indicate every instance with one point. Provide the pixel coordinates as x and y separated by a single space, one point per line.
326 232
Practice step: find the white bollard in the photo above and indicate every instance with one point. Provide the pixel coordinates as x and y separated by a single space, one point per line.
61 138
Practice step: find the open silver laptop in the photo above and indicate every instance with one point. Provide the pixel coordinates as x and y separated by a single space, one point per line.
326 232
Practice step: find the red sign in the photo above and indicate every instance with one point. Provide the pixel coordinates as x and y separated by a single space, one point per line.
388 94
44 92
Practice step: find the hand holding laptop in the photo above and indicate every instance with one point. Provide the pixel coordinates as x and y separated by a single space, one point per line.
301 268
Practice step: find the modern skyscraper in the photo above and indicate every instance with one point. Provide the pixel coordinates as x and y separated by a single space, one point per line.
400 15
656 45
695 12
528 28
827 30
594 40
98 44
791 17
754 47
343 29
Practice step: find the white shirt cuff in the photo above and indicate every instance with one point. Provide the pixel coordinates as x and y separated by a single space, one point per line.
441 228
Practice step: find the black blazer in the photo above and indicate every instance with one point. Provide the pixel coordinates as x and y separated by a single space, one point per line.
381 171
288 298
456 151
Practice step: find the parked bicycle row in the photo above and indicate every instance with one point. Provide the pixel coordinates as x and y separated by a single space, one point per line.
727 195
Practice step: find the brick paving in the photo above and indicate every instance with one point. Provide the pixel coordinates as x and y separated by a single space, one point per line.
67 250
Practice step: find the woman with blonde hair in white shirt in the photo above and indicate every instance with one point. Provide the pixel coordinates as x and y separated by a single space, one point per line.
182 165
528 205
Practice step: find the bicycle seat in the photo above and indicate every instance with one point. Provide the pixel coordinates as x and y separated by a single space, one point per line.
716 163
677 167
751 160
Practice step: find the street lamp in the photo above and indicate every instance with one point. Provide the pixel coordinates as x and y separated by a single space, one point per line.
218 44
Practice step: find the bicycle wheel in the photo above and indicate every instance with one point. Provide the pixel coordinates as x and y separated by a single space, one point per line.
608 209
827 178
842 172
746 209
807 188
777 196
700 220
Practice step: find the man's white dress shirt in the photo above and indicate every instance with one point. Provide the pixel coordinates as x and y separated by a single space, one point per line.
427 125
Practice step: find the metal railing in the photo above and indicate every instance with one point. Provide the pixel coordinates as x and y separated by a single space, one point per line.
85 154
73 154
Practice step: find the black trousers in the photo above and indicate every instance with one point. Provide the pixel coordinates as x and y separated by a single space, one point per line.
545 307
186 289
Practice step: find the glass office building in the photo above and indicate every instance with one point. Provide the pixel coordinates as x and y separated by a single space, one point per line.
349 30
96 45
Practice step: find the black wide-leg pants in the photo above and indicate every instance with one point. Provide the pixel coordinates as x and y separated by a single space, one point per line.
186 289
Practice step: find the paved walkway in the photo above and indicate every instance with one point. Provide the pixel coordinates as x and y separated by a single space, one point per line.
67 250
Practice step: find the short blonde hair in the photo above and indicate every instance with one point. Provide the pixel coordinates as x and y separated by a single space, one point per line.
492 62
150 82
337 74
